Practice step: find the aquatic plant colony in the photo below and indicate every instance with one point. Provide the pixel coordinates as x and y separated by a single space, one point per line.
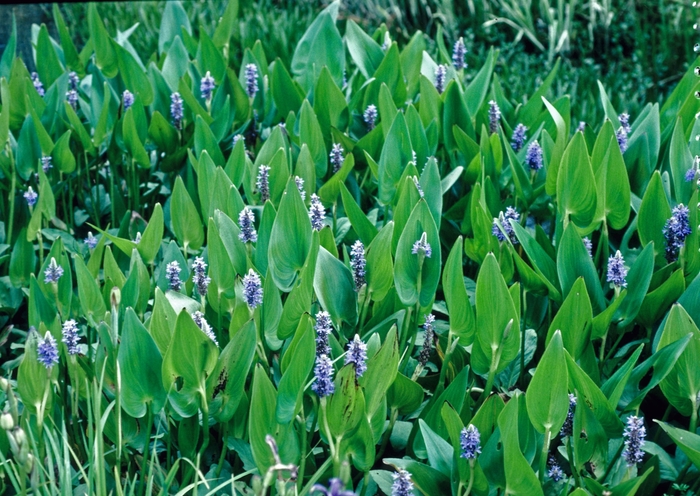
365 270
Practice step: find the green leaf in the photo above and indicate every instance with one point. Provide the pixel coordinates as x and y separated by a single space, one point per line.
529 112
688 442
653 214
390 74
329 104
105 54
405 395
638 280
546 396
478 88
8 55
497 323
162 323
542 263
290 239
553 165
612 183
133 142
62 156
439 451
320 46
133 74
334 286
174 67
396 153
455 114
262 423
286 93
682 386
47 65
573 320
662 361
33 380
226 25
204 139
229 233
296 372
140 364
588 392
91 300
163 134
365 52
656 302
381 371
299 300
462 320
311 135
576 185
226 384
185 220
346 406
416 280
520 479
380 266
22 260
364 228
152 236
174 19
573 262
191 358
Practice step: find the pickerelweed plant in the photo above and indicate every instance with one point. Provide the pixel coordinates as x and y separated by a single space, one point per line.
351 272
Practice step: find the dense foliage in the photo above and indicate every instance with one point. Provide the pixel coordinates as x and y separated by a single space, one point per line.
366 276
639 50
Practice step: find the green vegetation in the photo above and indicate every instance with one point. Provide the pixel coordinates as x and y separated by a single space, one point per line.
358 263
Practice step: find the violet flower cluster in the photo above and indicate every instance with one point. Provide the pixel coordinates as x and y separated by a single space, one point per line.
421 246
252 289
358 263
503 219
676 229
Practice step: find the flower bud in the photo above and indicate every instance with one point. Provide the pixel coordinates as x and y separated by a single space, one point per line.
6 421
115 297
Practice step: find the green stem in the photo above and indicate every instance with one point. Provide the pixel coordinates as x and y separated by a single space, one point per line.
314 478
406 326
13 187
365 481
119 413
205 422
471 478
41 247
147 427
224 449
523 299
495 359
684 470
113 192
98 209
544 454
414 333
303 441
572 462
363 310
694 415
327 429
612 463
387 434
615 345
